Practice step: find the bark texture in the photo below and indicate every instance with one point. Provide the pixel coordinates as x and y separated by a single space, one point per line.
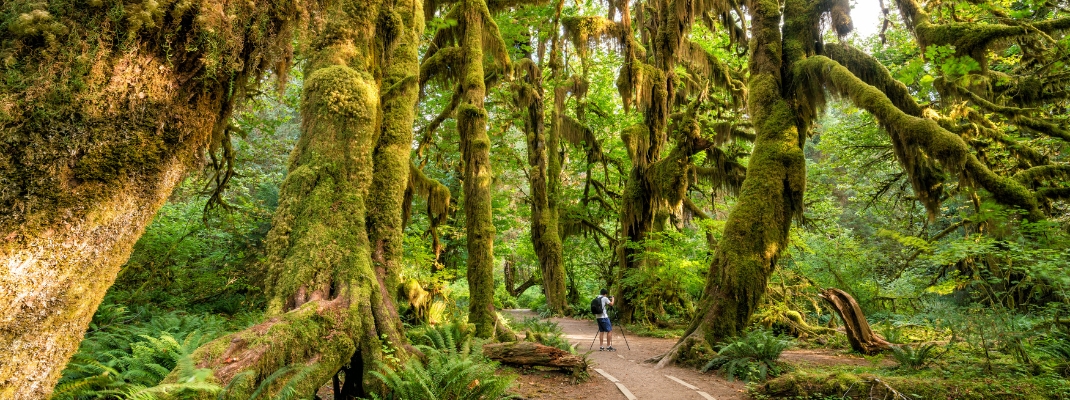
757 228
545 163
862 338
399 92
532 354
101 114
329 305
475 149
772 192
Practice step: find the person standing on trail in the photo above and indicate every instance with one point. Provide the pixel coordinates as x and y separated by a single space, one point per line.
604 326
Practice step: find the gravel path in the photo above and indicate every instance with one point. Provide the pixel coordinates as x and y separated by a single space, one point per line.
633 377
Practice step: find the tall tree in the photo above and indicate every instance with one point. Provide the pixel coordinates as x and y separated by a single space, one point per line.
653 47
792 72
331 307
102 111
544 158
463 50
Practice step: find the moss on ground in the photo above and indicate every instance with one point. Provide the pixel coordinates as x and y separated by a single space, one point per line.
845 382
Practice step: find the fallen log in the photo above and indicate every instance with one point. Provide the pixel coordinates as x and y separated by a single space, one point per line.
862 338
533 354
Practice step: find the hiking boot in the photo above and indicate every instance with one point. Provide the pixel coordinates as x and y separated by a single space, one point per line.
610 348
601 349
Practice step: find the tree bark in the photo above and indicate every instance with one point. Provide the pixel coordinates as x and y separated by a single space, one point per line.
94 141
545 179
532 354
329 305
862 338
399 93
475 150
772 192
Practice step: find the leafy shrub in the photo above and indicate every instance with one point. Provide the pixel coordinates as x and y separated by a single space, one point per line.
532 299
502 299
445 376
914 357
750 357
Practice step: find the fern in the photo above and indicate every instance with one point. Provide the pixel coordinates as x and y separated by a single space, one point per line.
914 357
750 357
1058 348
455 338
446 375
135 373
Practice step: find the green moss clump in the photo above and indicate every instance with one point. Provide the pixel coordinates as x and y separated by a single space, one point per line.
816 384
38 23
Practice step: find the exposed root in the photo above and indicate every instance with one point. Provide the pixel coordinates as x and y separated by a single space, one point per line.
691 350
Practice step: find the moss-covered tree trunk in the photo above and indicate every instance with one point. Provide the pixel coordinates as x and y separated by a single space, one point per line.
328 305
545 162
475 150
772 192
757 228
101 115
399 64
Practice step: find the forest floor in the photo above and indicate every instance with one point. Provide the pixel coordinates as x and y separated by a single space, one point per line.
627 366
641 379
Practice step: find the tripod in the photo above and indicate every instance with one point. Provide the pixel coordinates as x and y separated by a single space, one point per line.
612 311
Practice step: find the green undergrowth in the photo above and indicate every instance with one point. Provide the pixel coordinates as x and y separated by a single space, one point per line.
544 332
654 331
453 367
751 357
126 354
849 382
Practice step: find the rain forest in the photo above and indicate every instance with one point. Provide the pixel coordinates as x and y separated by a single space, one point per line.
424 199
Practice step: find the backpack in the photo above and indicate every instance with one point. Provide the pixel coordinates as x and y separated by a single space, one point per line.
596 306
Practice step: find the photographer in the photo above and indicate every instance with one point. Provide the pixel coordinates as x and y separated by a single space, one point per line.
604 326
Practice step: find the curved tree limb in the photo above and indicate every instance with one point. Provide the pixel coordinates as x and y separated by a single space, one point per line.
941 144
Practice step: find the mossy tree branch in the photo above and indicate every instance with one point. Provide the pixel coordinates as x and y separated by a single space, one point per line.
944 146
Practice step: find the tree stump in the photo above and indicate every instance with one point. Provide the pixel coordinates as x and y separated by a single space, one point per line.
862 338
532 354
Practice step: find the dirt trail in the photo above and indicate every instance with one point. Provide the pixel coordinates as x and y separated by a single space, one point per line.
641 379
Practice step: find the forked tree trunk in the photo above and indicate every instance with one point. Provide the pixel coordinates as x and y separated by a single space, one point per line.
99 121
328 305
862 338
545 179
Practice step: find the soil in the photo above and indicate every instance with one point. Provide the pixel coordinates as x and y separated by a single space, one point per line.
824 357
641 379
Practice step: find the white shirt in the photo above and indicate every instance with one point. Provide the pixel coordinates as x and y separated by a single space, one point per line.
605 306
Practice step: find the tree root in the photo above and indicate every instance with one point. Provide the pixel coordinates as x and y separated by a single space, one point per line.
691 350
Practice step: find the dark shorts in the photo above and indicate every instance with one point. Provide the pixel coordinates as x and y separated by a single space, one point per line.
604 325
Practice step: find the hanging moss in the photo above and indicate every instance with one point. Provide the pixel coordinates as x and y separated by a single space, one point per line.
104 107
330 304
584 31
945 146
544 175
